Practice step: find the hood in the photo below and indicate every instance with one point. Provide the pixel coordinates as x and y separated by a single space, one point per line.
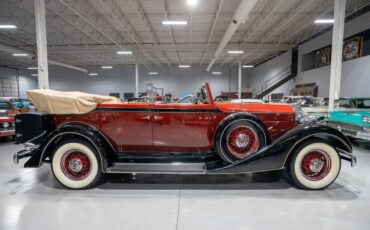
253 107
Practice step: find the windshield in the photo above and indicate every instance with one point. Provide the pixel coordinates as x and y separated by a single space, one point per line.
21 103
363 103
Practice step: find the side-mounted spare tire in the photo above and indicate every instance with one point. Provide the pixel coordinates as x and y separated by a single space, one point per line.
239 139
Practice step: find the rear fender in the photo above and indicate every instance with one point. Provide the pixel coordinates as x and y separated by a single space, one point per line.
70 131
275 155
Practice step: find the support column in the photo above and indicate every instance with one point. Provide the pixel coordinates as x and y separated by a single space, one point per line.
336 52
136 75
239 79
42 52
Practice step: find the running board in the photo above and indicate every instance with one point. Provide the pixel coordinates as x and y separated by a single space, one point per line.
158 168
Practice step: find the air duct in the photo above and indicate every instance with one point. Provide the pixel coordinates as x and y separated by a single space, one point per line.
240 16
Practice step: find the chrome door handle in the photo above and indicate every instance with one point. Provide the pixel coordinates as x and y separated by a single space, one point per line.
147 117
156 118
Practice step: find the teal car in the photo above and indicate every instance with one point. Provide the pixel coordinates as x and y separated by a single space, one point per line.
352 118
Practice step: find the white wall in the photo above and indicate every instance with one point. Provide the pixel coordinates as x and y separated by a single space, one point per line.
26 82
355 73
122 80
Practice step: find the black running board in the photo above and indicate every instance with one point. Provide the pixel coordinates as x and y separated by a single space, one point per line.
158 168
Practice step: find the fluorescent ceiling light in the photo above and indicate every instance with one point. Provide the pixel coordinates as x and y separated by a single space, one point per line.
20 55
8 27
174 22
153 73
247 66
30 68
192 2
324 21
93 74
235 52
216 73
124 52
34 75
184 66
107 67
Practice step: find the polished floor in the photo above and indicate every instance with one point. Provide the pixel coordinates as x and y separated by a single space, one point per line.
32 199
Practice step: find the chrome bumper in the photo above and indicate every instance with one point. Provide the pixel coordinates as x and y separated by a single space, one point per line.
26 152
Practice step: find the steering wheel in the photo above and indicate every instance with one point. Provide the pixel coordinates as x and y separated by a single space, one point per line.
197 100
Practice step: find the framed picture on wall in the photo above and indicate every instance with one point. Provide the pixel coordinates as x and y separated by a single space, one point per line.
352 48
323 57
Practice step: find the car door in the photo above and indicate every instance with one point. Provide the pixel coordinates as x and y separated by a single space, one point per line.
183 128
127 126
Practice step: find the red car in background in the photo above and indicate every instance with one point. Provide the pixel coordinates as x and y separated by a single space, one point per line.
202 137
7 114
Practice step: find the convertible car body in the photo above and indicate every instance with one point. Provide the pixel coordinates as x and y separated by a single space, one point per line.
202 137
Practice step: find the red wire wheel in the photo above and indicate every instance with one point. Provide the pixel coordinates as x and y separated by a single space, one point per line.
242 141
75 165
316 165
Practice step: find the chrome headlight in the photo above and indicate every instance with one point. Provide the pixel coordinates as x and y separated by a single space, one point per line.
5 125
366 119
309 119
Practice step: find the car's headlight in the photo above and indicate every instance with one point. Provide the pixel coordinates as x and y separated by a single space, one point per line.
5 125
366 119
309 119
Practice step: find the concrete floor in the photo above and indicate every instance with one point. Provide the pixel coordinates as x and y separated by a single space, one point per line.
32 199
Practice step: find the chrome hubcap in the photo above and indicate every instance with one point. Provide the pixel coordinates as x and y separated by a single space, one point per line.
75 165
242 141
316 165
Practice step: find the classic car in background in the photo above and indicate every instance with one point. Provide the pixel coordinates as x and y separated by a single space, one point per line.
7 114
352 117
203 137
20 105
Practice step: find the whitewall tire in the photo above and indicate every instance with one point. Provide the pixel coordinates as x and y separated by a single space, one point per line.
75 164
314 165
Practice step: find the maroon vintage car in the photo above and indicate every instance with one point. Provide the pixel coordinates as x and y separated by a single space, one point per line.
204 137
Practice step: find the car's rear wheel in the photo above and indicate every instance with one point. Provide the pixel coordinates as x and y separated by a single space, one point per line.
239 140
75 164
314 165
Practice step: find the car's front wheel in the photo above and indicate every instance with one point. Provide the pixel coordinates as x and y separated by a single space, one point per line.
75 164
314 165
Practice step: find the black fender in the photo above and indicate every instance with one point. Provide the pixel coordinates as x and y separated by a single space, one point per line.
241 116
72 130
275 155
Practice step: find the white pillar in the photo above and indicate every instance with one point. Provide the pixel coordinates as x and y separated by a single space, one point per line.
336 52
136 75
239 79
42 52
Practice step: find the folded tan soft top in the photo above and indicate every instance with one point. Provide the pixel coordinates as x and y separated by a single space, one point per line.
57 102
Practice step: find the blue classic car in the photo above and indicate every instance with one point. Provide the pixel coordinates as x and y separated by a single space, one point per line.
353 117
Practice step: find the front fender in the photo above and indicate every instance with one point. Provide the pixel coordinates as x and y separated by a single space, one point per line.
83 131
275 155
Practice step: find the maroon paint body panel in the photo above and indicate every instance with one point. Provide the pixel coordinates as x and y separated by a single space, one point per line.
172 127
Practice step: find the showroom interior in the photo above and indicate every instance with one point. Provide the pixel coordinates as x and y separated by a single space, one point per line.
151 92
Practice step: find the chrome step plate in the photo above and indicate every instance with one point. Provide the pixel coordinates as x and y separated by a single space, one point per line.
158 168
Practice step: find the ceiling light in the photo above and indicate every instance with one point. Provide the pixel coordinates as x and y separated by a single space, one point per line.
184 66
124 52
235 52
8 27
247 66
324 21
107 67
93 74
192 2
216 73
153 73
34 75
174 22
20 55
31 68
